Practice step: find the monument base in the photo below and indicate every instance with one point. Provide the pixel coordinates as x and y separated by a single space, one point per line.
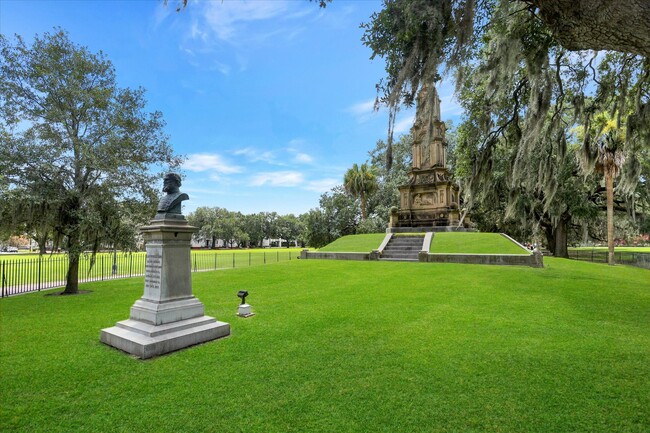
244 310
428 229
145 340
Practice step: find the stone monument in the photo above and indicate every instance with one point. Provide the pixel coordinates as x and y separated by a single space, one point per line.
430 199
167 317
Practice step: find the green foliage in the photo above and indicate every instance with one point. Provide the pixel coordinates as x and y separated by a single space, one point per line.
221 224
253 225
338 215
434 348
361 182
290 228
525 96
388 181
77 151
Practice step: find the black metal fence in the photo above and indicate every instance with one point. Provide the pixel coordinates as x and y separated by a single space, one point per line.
641 260
33 274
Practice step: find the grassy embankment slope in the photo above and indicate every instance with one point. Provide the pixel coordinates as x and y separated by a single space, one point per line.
347 346
474 243
456 242
355 243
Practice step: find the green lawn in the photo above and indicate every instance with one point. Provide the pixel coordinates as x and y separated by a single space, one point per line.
356 243
474 243
344 346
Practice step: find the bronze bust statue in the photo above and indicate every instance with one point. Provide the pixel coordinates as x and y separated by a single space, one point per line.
171 202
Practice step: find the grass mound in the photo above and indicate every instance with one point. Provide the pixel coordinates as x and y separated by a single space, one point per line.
474 243
355 243
347 346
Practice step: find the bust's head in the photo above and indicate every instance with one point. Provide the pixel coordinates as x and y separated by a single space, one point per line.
171 183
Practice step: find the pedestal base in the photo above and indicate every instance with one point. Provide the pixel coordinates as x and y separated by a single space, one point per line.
160 313
244 310
145 340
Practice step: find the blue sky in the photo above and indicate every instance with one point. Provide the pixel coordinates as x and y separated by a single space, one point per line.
270 101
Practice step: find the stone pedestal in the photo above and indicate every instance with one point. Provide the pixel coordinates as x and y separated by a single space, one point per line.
244 310
167 317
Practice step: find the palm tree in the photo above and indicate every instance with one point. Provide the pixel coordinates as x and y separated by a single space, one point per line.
609 160
360 181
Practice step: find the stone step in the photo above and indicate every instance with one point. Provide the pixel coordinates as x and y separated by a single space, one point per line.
403 248
405 243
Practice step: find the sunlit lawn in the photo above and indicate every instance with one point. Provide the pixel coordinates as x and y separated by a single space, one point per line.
474 243
356 243
342 346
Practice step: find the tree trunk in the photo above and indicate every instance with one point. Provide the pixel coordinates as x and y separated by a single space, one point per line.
560 236
609 184
550 237
462 218
621 25
363 206
41 240
72 277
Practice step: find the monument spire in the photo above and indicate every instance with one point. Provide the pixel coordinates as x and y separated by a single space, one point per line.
430 199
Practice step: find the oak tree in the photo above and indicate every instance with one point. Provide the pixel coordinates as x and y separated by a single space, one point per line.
82 151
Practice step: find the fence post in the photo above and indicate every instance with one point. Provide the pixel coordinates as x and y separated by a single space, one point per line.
277 253
130 264
3 279
194 261
39 273
264 257
249 259
215 261
233 260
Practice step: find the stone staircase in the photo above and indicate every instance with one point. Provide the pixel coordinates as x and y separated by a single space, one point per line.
403 248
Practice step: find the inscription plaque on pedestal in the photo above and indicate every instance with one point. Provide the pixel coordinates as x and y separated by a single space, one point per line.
152 276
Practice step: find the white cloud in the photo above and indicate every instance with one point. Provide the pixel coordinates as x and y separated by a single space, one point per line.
254 155
303 158
199 162
322 185
404 125
296 142
363 108
278 178
227 20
